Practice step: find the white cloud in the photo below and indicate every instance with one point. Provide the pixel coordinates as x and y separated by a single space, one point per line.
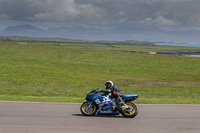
4 16
160 20
65 10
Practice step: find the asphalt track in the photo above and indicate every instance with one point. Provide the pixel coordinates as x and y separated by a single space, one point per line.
30 117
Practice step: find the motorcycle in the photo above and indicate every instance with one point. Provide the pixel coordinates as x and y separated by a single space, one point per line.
103 103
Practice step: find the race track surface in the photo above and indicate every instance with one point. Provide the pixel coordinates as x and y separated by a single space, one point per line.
30 117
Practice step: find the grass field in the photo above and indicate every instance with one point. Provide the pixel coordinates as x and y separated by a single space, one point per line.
64 72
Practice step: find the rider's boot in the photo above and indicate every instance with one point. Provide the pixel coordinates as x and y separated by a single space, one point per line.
122 105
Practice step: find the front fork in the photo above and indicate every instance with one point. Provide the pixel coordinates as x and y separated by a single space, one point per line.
89 103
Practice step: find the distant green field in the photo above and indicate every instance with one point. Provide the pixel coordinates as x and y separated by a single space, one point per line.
116 47
64 72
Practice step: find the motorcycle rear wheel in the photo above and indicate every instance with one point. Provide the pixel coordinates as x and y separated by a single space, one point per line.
88 111
132 113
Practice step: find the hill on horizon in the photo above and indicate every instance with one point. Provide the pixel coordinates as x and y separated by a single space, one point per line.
152 34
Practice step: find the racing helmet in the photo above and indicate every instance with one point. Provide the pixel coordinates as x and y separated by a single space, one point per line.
108 84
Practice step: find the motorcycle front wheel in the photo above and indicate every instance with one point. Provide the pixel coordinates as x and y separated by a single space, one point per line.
132 112
88 111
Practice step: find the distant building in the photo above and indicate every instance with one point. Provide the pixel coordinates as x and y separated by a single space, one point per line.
152 52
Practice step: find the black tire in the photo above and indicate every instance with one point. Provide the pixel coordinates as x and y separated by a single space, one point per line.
130 114
88 111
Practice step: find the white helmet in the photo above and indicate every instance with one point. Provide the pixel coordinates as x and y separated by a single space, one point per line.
108 84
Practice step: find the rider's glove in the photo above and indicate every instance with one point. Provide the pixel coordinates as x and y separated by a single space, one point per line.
107 91
101 91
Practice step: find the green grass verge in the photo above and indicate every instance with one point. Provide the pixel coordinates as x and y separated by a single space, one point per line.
64 72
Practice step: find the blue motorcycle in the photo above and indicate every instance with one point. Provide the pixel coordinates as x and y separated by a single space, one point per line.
103 103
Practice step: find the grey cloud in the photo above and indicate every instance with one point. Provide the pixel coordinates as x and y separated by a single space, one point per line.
45 9
151 12
107 12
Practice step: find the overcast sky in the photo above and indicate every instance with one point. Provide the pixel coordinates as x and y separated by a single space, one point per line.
169 14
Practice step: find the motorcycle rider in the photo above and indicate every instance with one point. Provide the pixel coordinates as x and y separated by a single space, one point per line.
115 93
